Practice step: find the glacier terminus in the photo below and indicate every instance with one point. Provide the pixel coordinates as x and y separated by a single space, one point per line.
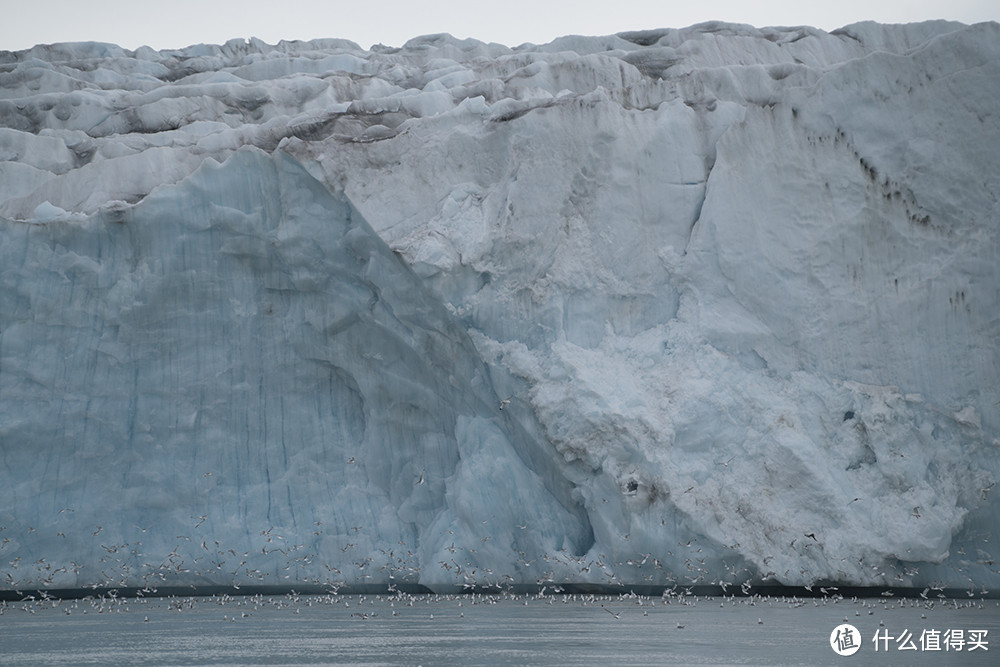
713 306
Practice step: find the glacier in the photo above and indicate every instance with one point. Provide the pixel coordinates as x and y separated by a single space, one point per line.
706 306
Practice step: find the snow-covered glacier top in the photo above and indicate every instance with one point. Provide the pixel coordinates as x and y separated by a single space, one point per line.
719 304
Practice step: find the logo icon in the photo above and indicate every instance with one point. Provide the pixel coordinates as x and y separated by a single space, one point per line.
845 639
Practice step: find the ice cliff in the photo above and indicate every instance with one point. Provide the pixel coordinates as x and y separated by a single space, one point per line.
719 304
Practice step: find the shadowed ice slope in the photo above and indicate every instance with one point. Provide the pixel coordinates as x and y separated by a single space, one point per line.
239 363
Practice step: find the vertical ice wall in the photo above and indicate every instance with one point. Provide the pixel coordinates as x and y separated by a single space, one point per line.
238 365
737 290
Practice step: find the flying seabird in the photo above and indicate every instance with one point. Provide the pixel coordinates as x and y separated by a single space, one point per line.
618 615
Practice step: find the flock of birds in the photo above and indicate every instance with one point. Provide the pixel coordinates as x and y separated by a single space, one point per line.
141 591
211 566
279 561
424 606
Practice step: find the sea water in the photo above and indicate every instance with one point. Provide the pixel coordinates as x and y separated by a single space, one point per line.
499 629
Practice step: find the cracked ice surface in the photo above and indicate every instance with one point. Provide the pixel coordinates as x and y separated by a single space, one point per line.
742 287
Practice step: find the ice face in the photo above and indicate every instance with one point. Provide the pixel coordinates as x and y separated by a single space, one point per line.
458 313
241 362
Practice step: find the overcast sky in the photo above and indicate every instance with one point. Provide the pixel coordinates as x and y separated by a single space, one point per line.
177 23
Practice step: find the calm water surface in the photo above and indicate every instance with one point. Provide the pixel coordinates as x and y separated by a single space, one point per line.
492 630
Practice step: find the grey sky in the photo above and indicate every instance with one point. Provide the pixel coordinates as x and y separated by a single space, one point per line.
182 22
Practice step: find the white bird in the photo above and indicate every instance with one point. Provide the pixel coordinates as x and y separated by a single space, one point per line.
505 402
421 480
